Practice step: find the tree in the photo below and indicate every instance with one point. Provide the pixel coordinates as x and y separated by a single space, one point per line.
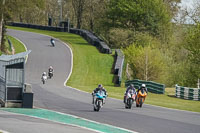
192 45
139 15
25 11
2 8
147 63
120 38
94 14
78 6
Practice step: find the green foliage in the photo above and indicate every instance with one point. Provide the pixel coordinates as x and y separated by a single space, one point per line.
147 63
24 11
97 66
120 38
193 44
139 15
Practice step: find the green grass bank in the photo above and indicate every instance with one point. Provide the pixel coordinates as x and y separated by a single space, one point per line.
91 68
18 46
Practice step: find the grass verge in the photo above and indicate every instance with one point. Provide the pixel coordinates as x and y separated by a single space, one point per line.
18 46
91 68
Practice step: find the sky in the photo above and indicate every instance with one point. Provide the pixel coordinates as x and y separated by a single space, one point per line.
187 3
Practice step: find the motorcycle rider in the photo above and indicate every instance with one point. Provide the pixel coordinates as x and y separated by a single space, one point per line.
130 87
52 42
100 87
50 70
44 76
143 86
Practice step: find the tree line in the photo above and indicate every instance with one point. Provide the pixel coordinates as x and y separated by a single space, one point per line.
158 45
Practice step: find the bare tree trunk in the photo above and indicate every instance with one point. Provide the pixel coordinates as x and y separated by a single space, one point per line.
1 27
146 66
78 6
1 23
91 15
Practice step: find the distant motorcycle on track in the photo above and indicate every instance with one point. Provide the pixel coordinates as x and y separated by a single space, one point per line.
44 78
52 42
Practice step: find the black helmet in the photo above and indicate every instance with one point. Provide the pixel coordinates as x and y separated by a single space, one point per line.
100 86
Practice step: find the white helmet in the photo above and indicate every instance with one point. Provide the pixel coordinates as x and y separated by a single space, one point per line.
44 73
143 85
51 67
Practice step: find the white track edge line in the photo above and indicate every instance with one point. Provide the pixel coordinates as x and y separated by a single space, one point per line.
90 120
3 131
81 90
110 97
74 125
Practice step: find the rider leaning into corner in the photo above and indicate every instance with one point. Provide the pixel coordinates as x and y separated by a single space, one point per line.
100 87
130 87
52 42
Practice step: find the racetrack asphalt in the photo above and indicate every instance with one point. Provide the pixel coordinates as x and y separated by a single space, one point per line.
15 123
55 96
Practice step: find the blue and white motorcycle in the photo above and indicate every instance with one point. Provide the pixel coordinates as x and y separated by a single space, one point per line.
99 100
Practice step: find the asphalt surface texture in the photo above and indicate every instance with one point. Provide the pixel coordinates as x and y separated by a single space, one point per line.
14 123
55 96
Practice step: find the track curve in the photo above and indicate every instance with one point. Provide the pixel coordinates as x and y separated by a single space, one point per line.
55 96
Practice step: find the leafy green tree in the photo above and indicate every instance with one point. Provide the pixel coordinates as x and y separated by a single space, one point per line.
147 63
120 38
192 44
140 15
27 11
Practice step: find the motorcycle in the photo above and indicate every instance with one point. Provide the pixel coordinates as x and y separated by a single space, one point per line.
44 79
53 42
99 100
140 98
50 74
130 98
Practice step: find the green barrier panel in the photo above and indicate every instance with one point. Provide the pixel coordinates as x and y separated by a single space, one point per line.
151 86
187 93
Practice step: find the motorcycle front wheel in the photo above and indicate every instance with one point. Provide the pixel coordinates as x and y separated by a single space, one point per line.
141 102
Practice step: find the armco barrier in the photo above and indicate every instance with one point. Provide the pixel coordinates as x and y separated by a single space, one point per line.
151 86
88 36
187 93
119 57
41 27
92 39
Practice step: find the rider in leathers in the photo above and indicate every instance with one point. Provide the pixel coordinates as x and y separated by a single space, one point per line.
50 71
96 90
130 87
143 86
